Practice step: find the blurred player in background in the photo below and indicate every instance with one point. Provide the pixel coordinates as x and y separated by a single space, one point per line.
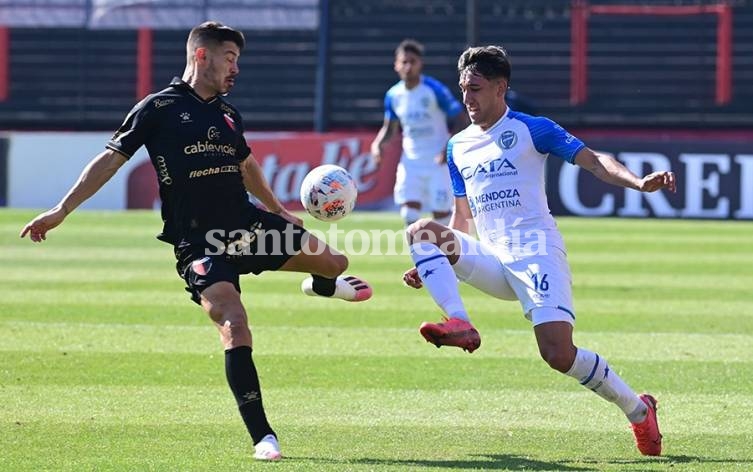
422 107
204 166
497 167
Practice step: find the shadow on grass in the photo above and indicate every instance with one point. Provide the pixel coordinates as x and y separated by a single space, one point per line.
669 460
485 462
513 462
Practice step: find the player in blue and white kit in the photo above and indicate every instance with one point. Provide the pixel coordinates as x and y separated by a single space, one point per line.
497 167
422 107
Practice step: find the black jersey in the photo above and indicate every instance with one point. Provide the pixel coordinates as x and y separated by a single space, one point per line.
196 147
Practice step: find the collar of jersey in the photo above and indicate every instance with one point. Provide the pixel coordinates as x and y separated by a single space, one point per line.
180 84
420 82
500 120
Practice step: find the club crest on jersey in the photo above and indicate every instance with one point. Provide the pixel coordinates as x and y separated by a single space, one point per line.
202 266
507 139
230 122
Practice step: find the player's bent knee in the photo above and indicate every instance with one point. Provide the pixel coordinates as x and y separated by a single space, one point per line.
422 230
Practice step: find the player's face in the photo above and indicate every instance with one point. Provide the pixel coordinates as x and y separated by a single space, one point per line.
483 99
408 66
222 67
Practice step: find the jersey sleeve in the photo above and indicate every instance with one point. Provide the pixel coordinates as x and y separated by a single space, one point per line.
242 145
389 112
458 185
136 129
446 100
551 138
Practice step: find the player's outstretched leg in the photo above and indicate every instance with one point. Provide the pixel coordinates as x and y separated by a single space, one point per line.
268 449
647 435
344 287
452 332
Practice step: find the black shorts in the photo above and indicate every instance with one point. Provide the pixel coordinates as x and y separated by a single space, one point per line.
267 243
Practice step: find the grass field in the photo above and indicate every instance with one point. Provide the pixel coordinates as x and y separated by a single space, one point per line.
106 365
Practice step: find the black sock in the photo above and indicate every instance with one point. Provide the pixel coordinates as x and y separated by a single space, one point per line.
323 286
244 382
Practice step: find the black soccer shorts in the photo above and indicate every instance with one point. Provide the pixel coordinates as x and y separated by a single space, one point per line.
267 243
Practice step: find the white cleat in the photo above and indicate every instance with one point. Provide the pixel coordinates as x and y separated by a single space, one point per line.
268 449
347 287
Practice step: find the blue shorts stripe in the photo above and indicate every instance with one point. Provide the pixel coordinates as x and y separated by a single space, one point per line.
560 307
593 371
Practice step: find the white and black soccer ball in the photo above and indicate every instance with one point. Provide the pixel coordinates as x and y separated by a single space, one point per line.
328 193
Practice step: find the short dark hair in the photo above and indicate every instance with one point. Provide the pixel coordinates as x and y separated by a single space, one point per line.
490 62
213 33
411 46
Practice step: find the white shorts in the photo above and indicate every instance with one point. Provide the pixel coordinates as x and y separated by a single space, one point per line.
428 185
537 281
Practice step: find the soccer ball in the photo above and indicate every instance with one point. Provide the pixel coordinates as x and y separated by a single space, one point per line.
328 193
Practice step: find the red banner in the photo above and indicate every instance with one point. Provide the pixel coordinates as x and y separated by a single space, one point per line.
286 158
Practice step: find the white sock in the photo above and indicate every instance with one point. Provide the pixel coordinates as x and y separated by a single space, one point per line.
439 279
593 372
444 220
410 215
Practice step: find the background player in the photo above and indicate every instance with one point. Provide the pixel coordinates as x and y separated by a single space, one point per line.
422 107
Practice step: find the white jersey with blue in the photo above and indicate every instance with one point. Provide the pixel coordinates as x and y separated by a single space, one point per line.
423 112
501 172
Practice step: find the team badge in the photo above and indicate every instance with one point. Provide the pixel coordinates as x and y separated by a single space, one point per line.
202 266
507 139
230 122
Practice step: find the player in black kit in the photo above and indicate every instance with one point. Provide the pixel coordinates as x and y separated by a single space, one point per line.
204 166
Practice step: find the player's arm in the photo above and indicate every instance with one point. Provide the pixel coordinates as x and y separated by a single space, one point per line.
386 132
462 219
610 170
456 124
257 185
92 178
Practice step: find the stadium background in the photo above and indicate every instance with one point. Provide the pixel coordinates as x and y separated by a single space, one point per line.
107 366
663 89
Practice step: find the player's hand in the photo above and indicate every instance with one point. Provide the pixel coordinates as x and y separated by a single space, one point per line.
38 227
658 180
290 217
412 279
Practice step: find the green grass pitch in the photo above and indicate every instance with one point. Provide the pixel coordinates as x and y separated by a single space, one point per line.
105 364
